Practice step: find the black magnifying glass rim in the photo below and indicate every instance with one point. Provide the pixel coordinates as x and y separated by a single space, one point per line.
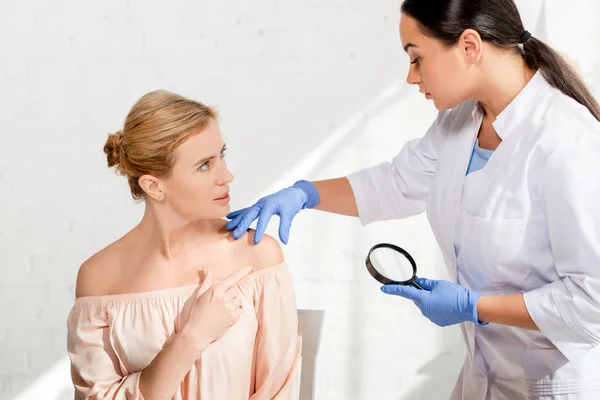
385 280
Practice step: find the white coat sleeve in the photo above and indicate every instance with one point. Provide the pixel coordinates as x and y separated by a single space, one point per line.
567 311
399 188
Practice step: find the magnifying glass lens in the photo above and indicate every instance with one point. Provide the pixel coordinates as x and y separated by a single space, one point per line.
392 264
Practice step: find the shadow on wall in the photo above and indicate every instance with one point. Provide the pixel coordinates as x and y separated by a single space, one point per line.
439 377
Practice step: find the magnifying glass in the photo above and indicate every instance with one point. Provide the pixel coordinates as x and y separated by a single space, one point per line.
390 264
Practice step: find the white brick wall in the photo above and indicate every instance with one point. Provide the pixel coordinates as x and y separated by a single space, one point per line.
286 76
283 74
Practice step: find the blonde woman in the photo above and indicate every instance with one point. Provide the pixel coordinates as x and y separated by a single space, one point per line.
148 322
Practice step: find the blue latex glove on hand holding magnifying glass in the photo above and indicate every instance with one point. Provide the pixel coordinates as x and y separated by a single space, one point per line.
443 303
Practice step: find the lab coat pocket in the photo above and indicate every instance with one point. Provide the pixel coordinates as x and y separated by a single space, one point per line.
490 253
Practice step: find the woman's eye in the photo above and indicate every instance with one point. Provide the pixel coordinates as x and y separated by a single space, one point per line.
206 165
416 61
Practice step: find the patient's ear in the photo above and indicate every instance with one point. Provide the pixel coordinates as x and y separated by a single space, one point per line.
152 186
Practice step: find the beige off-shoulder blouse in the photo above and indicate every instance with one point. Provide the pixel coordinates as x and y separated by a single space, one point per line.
112 338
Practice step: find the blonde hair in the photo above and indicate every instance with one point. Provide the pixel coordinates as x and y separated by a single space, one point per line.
158 123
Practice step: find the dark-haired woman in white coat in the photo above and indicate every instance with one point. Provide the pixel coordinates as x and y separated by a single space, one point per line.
509 175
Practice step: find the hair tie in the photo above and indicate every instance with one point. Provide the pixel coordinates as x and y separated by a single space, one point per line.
524 37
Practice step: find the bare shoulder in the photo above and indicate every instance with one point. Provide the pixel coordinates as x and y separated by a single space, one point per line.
96 273
266 253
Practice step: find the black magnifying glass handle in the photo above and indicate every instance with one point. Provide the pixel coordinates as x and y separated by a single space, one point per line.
415 284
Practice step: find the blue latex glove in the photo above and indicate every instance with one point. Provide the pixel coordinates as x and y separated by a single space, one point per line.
286 203
443 303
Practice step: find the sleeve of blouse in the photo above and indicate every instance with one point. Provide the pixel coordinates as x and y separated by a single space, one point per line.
278 344
94 364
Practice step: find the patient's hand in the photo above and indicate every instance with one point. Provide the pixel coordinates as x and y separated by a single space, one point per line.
215 309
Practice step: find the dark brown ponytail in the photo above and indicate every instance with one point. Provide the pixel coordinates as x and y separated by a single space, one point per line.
559 73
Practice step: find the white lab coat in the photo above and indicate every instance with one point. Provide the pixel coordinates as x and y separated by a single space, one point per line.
528 222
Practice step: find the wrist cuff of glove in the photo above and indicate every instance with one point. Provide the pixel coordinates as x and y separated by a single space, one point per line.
312 194
473 297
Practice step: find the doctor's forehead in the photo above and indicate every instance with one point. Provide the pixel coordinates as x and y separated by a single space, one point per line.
410 33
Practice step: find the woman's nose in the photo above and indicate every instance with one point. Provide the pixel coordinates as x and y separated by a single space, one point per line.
226 176
413 77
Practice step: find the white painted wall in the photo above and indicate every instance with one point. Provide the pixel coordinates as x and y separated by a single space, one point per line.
306 89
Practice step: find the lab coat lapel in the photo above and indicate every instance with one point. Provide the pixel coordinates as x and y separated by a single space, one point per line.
453 162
